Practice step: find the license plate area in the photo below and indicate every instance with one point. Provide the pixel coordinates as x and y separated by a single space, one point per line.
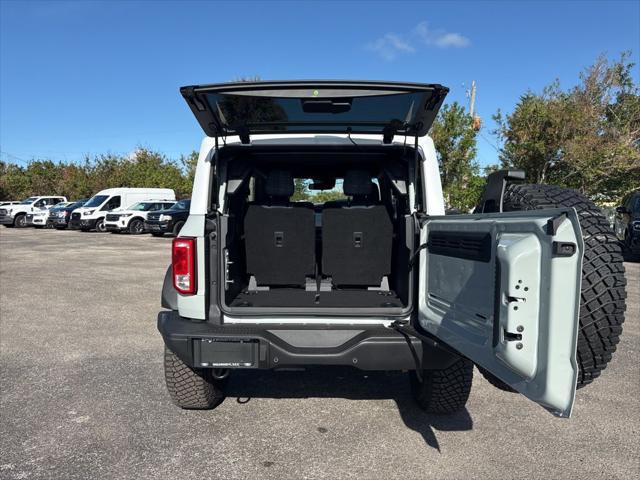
225 352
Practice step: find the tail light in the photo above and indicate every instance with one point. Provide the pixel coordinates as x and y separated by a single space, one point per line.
183 260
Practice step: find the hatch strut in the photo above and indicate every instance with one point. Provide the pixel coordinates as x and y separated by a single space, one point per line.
243 133
388 133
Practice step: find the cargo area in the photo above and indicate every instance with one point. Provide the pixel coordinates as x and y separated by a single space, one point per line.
316 228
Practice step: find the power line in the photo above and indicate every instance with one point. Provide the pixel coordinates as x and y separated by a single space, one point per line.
15 157
489 142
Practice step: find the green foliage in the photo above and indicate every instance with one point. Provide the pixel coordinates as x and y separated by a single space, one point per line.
587 137
143 168
455 142
302 193
327 196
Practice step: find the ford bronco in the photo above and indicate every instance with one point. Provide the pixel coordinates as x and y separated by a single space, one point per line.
530 287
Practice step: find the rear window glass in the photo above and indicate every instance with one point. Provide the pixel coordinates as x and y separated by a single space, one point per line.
304 191
264 113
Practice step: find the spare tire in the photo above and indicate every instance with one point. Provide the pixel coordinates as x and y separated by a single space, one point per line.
603 294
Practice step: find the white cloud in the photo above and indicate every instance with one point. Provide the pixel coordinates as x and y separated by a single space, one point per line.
440 38
452 40
391 45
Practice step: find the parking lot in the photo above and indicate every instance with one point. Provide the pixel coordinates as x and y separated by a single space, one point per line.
83 393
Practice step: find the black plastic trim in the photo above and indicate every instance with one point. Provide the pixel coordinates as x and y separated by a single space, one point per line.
467 245
493 195
169 295
367 347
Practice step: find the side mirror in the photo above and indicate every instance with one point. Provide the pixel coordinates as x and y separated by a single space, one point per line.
621 210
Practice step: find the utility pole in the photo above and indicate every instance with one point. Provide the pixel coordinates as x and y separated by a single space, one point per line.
472 100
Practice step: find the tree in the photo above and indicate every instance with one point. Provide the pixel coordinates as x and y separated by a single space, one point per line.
143 168
587 137
455 142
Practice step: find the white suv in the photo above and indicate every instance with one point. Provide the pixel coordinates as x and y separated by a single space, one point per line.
132 219
16 215
91 216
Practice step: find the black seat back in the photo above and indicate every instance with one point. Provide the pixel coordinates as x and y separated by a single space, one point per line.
280 236
357 238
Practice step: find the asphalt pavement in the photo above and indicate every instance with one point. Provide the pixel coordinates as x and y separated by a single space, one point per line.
82 393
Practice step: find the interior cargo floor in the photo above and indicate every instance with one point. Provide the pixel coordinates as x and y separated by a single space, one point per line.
292 297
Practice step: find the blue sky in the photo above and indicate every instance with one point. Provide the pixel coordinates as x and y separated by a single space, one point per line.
86 77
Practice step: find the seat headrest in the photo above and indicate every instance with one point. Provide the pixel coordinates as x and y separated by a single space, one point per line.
357 183
279 183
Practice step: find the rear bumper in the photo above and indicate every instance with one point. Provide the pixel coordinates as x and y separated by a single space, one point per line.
275 346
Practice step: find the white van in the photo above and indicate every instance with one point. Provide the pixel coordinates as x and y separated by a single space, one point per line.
91 215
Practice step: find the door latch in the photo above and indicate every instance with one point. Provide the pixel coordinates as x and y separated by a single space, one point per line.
227 262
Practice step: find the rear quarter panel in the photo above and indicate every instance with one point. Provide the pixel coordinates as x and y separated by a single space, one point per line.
194 306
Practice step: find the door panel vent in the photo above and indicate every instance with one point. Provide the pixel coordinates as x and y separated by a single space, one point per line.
467 245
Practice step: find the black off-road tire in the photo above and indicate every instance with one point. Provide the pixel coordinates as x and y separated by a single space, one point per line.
191 388
445 390
603 294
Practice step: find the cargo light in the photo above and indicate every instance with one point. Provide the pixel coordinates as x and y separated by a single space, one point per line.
183 260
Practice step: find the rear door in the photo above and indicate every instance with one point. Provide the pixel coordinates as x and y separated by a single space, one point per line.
246 108
504 290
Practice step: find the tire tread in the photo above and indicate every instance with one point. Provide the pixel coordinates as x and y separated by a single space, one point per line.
190 388
444 390
603 293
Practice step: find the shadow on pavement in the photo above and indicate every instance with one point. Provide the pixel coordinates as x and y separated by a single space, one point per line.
348 383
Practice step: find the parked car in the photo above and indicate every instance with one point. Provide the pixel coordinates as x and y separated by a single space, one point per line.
40 217
168 221
59 218
16 215
133 219
6 203
382 280
627 223
92 214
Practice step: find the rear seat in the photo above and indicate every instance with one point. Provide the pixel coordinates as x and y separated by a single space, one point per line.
280 236
357 238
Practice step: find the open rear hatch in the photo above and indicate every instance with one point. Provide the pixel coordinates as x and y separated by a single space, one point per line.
324 106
